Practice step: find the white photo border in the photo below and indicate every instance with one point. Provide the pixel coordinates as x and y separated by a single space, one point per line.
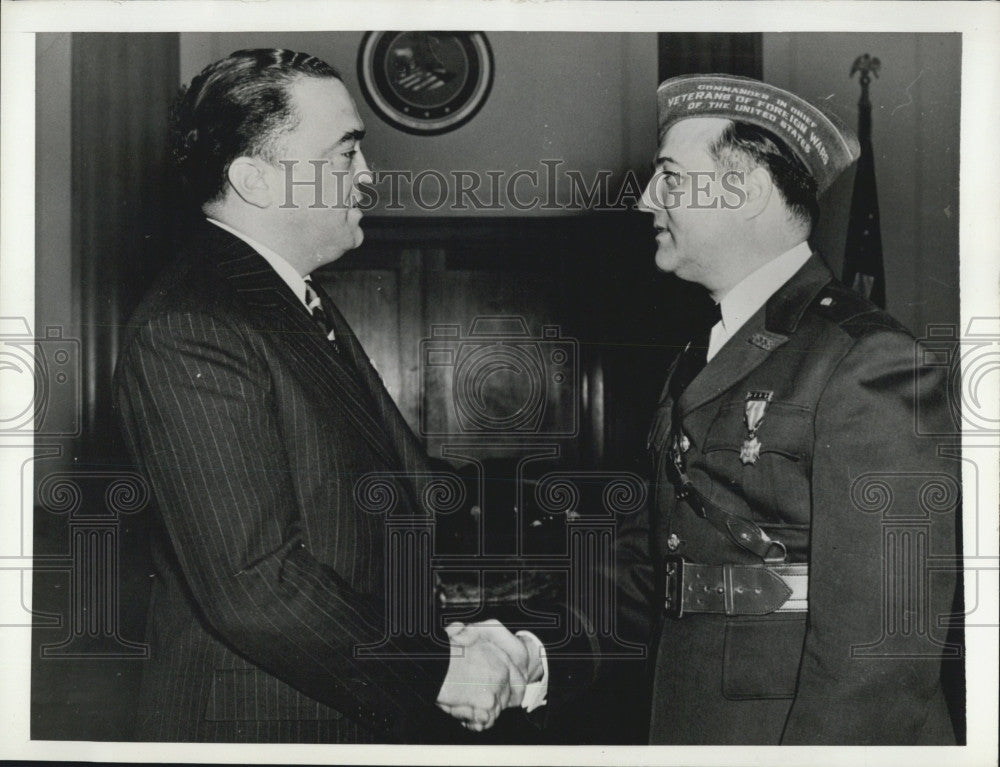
979 24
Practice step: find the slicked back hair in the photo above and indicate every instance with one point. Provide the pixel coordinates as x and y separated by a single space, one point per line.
238 106
743 147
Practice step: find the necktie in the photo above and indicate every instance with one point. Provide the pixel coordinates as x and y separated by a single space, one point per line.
319 305
693 358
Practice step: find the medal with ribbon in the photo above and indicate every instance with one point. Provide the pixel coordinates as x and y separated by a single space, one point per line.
756 406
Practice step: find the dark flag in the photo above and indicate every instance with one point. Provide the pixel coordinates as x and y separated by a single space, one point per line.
863 268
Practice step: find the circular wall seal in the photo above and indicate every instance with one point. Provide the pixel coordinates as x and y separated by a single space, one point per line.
425 83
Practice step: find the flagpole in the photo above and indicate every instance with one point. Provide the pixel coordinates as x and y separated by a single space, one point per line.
863 266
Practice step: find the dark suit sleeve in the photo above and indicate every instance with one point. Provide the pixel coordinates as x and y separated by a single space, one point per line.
198 410
633 578
600 692
858 594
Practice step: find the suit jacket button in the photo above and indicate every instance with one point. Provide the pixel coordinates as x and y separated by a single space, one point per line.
673 542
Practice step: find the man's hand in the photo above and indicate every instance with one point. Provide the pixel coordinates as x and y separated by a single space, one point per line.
488 672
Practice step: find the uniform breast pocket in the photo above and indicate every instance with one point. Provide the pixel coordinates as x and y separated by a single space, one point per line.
774 480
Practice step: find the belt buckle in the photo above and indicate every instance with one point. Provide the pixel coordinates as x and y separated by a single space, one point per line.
673 601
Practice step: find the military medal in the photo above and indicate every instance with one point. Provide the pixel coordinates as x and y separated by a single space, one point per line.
756 405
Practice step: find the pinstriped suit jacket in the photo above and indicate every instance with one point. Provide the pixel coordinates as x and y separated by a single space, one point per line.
252 431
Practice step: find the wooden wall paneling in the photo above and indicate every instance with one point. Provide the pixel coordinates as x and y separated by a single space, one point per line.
381 291
592 276
536 300
417 267
370 301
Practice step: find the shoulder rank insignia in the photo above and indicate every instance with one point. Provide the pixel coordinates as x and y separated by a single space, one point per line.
756 406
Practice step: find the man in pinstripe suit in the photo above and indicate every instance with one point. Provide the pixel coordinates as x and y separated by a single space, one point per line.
252 409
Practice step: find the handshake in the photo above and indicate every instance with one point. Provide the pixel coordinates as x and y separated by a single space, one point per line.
489 670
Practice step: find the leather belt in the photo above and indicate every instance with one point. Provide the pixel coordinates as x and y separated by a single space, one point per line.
734 589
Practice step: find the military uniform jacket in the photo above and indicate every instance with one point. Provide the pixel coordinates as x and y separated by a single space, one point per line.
845 483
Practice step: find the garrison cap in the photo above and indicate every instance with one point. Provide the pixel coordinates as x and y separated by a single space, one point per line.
820 139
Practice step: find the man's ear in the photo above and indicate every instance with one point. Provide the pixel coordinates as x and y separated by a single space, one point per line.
249 180
758 189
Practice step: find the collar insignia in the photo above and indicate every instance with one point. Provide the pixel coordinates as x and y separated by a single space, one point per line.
767 341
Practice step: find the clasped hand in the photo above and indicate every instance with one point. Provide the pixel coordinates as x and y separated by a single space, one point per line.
488 672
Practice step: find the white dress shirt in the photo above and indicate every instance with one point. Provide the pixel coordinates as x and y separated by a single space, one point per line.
285 270
745 298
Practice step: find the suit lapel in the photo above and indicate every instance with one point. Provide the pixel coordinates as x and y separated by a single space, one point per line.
410 450
762 334
282 316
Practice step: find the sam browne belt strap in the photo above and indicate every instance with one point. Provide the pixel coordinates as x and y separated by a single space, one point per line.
745 533
734 589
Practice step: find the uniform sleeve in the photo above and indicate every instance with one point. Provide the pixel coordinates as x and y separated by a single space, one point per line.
198 413
883 502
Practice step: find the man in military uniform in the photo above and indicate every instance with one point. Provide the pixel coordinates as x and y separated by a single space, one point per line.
777 601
